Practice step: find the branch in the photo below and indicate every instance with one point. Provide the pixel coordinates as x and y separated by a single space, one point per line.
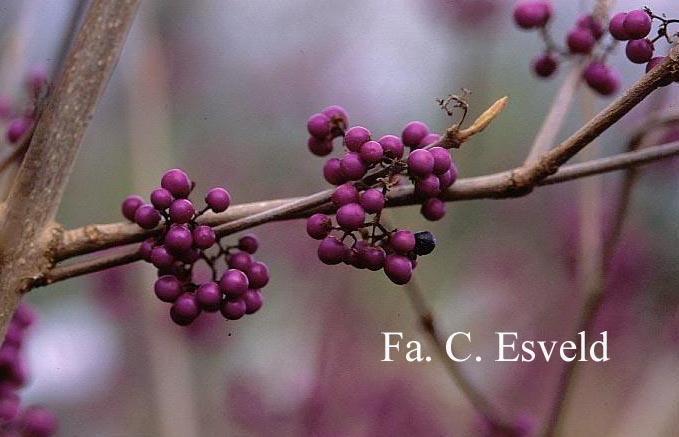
25 236
494 186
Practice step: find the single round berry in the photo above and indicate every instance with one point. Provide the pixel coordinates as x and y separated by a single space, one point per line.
424 243
617 28
352 166
337 115
402 241
17 128
448 178
392 146
532 14
218 199
350 217
398 269
176 182
332 172
161 199
420 162
442 160
181 211
253 301
147 217
355 137
637 24
318 226
433 209
203 237
161 258
233 309
372 200
544 65
318 126
38 422
372 257
240 260
209 296
371 152
353 258
233 282
331 251
130 205
654 62
185 309
248 243
590 23
167 288
428 186
319 147
344 194
639 51
580 40
413 133
258 275
601 78
178 239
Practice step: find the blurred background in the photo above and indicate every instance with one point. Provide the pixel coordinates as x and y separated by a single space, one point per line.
223 89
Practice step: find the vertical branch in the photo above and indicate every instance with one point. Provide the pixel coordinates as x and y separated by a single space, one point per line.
39 186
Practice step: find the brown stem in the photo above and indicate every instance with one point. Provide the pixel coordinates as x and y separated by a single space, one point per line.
495 186
25 231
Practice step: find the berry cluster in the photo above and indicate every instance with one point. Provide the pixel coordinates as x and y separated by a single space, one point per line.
183 242
32 421
21 121
363 176
587 35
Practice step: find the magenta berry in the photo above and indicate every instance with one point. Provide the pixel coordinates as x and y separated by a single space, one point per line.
398 269
181 211
17 128
355 137
433 209
402 241
240 261
167 288
176 182
253 301
420 162
161 199
233 309
591 24
350 216
392 146
544 65
352 166
442 160
218 199
203 237
258 275
617 28
319 147
318 126
371 152
637 24
428 186
185 309
146 216
372 200
413 133
337 115
532 14
639 51
331 251
130 206
318 226
448 178
601 78
178 240
580 40
344 194
372 257
248 243
209 296
233 282
161 257
332 172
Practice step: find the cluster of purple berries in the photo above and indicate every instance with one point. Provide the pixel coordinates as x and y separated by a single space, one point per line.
20 122
32 421
183 242
633 27
363 176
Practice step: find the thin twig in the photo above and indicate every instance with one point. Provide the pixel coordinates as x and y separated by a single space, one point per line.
494 186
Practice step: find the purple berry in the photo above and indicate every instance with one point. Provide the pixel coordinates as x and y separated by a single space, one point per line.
448 178
178 240
420 162
532 14
233 309
331 251
181 211
442 160
544 64
318 226
372 257
590 23
356 137
601 78
218 199
337 115
258 275
161 199
392 146
147 217
332 172
580 40
167 288
617 28
209 296
428 186
185 309
240 260
433 209
24 315
372 200
350 216
318 126
413 133
352 166
176 182
398 269
233 282
203 237
38 422
17 128
428 140
248 243
161 258
130 206
639 51
402 241
637 24
319 147
253 301
344 194
371 152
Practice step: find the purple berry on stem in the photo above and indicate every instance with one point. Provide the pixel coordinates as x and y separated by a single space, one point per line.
185 309
372 200
355 137
130 205
332 172
617 28
398 269
240 260
420 162
352 166
253 301
637 24
161 258
392 146
433 209
318 226
233 309
580 40
258 274
177 182
248 243
319 147
639 51
167 288
178 239
544 65
218 199
350 216
532 14
161 199
181 211
402 241
331 251
318 126
147 216
413 133
344 194
371 152
203 237
209 296
233 282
